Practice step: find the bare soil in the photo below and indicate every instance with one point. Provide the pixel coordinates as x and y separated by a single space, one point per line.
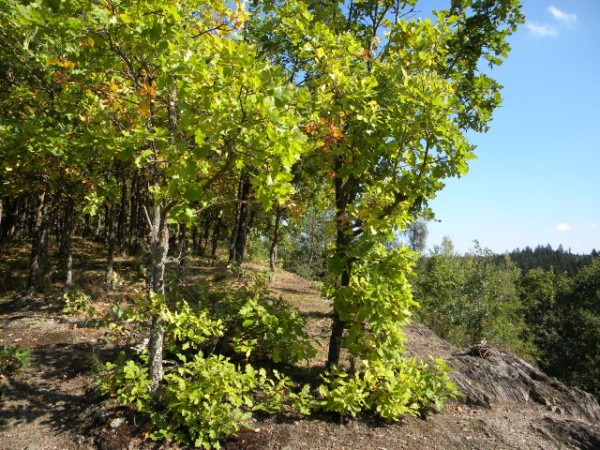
54 403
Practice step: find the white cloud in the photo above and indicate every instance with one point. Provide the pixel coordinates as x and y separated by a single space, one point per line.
564 17
563 227
542 30
593 226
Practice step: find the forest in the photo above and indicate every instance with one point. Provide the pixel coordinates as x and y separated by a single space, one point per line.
195 148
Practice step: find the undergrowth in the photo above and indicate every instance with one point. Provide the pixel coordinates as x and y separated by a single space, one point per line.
227 352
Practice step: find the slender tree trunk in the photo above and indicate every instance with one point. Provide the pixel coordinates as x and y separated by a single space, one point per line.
112 242
133 214
36 243
183 251
121 225
157 258
98 229
337 328
344 194
234 230
24 225
275 242
159 249
215 239
67 234
195 245
242 226
205 233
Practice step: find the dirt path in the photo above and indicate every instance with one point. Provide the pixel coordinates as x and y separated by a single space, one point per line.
42 405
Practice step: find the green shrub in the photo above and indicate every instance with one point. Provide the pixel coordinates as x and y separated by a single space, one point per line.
203 400
375 307
77 302
261 326
13 358
391 389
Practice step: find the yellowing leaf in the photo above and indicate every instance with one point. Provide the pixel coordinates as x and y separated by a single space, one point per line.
150 90
62 63
144 108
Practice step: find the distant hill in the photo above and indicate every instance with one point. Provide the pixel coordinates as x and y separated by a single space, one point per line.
545 257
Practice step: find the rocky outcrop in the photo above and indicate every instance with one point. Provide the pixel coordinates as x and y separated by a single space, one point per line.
515 404
487 376
573 433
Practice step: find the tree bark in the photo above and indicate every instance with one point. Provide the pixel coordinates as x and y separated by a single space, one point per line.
110 258
344 194
121 224
242 225
98 229
234 230
183 251
337 327
275 242
157 257
215 239
67 243
205 233
36 243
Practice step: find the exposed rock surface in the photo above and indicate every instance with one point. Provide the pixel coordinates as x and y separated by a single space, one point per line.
487 376
490 379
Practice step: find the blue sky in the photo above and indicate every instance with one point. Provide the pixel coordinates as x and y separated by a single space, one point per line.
537 176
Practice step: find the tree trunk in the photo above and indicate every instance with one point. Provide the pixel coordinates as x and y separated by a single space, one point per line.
36 243
98 229
344 194
23 228
159 249
121 225
157 257
183 251
195 244
205 233
337 328
242 225
133 215
215 239
67 243
275 242
234 230
112 241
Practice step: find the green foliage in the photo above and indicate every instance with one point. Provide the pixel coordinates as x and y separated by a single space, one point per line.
204 399
13 358
265 327
378 303
546 258
375 307
186 327
207 399
391 389
366 107
563 318
77 302
304 252
472 298
127 381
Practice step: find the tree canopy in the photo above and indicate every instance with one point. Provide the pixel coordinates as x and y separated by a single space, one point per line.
158 117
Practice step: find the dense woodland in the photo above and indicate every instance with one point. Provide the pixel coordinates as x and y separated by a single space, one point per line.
301 135
542 304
